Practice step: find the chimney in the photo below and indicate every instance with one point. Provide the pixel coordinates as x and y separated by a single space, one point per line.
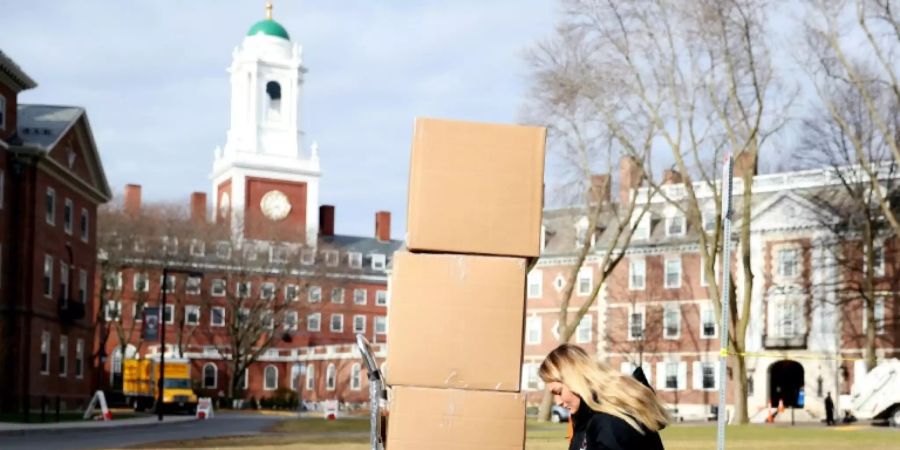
671 176
326 220
132 199
600 185
383 226
744 163
631 175
198 207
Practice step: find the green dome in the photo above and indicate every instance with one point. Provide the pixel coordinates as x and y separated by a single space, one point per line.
270 27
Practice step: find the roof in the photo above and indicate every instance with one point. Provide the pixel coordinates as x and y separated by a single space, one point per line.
41 126
14 72
268 27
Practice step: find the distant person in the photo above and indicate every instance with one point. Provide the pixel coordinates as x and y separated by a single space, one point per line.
829 410
607 409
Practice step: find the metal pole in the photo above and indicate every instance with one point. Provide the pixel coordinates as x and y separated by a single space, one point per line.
162 348
727 185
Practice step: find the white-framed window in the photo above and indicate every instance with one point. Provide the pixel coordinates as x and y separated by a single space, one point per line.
709 221
170 245
243 289
291 293
223 250
50 202
246 384
672 322
141 282
533 329
330 377
584 332
114 281
378 261
636 319
585 281
705 376
290 320
359 324
308 257
192 285
354 260
217 316
251 253
675 225
197 248
168 284
360 296
380 325
878 269
45 353
267 291
381 298
64 279
310 377
788 262
637 273
337 295
673 272
68 215
210 376
642 227
314 322
63 356
217 287
137 311
671 375
279 254
337 323
530 379
48 276
879 317
355 379
331 258
85 222
169 314
191 314
139 246
535 283
113 311
708 327
786 317
315 294
82 286
268 319
270 376
79 358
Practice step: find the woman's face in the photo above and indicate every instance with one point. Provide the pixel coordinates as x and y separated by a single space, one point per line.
562 396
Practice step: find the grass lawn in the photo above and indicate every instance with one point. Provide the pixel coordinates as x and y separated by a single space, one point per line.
315 434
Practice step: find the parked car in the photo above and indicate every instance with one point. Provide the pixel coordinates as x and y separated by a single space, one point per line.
558 414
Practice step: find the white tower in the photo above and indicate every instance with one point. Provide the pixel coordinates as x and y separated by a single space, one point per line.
263 182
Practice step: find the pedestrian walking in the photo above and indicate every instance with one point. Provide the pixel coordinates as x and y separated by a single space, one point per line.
607 409
829 410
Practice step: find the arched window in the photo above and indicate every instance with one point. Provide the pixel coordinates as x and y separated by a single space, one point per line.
330 378
354 377
273 90
310 377
271 378
296 369
210 376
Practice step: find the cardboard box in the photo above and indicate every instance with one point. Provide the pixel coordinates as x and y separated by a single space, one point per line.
476 188
456 321
445 419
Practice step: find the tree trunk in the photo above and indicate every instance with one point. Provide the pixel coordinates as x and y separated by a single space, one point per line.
740 392
546 404
870 334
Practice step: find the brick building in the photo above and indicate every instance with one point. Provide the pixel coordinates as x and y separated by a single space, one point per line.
51 182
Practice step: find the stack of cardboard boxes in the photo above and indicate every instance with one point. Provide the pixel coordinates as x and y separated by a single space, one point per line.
457 308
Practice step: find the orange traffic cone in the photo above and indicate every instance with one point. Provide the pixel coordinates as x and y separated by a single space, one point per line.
780 406
771 417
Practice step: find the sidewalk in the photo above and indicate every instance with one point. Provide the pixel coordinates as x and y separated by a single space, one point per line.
13 429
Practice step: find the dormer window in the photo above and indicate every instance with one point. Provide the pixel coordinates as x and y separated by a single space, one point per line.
675 225
273 90
642 228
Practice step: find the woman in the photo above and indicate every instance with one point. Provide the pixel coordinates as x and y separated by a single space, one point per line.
608 410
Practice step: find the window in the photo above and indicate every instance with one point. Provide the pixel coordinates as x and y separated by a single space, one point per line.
271 378
217 289
879 260
705 375
197 248
191 314
45 353
63 355
355 381
337 295
584 333
330 377
354 260
787 263
671 375
642 227
223 250
636 324
79 358
381 298
310 377
359 324
533 328
291 292
50 202
63 280
708 322
210 375
785 318
192 285
709 221
308 257
267 291
531 379
217 316
637 273
279 254
114 281
68 213
675 225
137 312
535 284
314 322
331 258
673 273
139 245
170 246
315 294
879 317
246 377
48 276
337 323
113 310
243 289
268 319
169 314
141 282
290 320
273 90
380 325
359 296
585 280
167 284
82 286
250 253
378 261
672 322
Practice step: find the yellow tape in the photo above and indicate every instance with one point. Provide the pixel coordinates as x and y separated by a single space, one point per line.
726 353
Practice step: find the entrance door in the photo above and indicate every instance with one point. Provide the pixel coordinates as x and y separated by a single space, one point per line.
785 382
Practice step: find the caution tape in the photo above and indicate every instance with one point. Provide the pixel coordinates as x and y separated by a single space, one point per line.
725 353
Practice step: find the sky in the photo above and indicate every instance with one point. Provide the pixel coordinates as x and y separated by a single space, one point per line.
151 75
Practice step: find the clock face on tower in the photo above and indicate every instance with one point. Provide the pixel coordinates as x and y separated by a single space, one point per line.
275 205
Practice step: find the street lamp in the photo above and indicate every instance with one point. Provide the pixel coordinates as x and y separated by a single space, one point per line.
162 334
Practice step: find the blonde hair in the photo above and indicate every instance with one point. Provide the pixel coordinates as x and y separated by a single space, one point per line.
604 389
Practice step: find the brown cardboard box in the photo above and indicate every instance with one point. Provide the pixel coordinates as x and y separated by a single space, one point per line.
445 419
476 188
456 321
